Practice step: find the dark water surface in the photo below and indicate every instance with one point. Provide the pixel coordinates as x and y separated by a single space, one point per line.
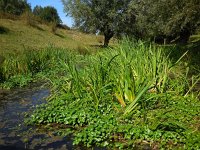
13 133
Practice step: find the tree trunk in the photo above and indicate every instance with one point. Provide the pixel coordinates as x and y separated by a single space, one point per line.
106 40
184 36
107 36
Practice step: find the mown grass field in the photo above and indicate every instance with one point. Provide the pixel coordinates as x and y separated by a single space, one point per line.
135 95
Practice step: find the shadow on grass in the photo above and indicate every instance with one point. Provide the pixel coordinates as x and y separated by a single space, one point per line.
34 25
59 35
100 46
38 28
3 30
192 57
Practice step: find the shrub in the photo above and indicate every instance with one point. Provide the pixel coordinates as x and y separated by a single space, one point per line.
14 7
3 30
63 26
53 27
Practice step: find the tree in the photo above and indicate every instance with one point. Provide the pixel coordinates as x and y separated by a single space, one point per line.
105 16
48 14
173 20
15 7
185 19
37 10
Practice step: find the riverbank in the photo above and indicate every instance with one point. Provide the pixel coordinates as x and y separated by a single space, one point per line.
129 96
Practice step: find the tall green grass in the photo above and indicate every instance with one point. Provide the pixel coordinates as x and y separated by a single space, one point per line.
123 75
21 67
126 76
123 94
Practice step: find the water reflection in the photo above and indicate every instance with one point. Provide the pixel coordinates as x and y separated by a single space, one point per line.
15 135
13 104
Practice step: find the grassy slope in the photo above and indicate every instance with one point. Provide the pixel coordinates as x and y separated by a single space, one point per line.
20 35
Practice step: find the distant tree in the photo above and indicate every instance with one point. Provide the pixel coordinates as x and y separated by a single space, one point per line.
173 20
16 7
37 10
48 14
106 16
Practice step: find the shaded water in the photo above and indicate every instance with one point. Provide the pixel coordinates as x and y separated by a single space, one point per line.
13 133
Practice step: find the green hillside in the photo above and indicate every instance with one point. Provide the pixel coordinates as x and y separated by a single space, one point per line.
17 35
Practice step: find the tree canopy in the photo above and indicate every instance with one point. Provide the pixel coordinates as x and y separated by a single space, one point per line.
47 13
37 10
15 7
172 20
105 16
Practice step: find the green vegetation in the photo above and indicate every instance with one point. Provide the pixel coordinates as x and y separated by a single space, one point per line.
134 94
107 17
15 7
48 14
15 35
18 69
160 21
123 97
166 21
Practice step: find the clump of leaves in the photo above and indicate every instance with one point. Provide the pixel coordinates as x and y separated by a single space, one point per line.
123 98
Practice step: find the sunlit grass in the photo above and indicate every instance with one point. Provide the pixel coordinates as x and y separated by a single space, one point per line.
131 92
20 35
20 65
116 96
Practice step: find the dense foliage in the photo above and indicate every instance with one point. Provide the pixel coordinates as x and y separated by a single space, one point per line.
48 14
107 17
135 95
173 20
15 7
20 68
166 20
150 102
146 102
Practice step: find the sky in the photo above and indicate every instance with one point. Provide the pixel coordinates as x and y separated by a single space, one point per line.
56 4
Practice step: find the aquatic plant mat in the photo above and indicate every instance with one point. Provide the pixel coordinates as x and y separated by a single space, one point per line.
129 96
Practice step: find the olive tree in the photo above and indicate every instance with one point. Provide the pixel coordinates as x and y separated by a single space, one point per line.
173 20
105 16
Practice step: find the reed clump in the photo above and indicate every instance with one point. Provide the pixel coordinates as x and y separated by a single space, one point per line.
29 63
121 96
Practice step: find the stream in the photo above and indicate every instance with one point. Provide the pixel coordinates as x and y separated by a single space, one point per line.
14 134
